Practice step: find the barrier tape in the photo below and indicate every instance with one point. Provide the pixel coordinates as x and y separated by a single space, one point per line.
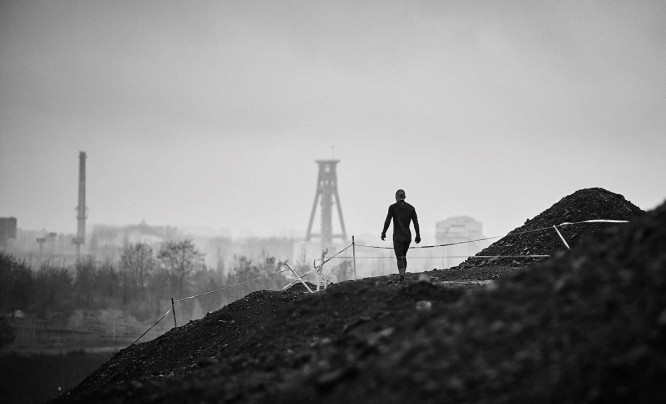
230 286
458 256
152 326
593 221
508 234
338 253
205 293
390 248
429 246
458 242
507 256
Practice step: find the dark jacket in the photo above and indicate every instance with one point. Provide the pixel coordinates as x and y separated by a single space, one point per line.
402 213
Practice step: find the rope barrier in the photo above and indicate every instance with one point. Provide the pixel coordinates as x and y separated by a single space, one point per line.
593 221
338 253
202 294
508 234
429 246
152 326
353 244
455 256
509 256
231 286
458 242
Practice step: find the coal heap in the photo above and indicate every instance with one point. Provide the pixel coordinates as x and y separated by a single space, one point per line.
585 204
247 349
586 326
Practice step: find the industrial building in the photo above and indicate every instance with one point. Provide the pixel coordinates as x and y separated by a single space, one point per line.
8 227
459 229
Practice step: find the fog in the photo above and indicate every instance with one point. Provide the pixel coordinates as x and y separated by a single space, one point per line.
202 121
212 113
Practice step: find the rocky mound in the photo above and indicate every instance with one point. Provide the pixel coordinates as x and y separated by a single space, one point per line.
528 239
245 350
585 326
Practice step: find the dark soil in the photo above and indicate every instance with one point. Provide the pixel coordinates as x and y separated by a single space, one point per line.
253 345
537 237
587 325
36 379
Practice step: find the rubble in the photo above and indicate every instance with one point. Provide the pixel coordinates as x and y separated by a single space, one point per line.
537 237
586 326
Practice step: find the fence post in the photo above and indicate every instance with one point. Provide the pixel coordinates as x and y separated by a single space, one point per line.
354 255
562 238
320 269
173 308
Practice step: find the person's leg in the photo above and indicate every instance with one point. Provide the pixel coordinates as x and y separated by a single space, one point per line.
400 255
404 259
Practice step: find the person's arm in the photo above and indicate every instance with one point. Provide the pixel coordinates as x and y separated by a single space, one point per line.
416 228
387 222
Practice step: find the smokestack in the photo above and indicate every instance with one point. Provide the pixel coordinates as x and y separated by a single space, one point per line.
81 209
81 215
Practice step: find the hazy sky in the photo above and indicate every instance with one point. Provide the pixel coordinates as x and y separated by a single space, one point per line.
212 113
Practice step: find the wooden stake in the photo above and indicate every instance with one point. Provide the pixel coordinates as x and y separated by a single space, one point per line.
354 255
320 269
173 308
562 238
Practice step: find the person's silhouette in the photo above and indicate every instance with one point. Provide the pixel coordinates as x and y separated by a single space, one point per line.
402 214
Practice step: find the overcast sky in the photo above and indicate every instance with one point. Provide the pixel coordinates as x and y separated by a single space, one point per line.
212 113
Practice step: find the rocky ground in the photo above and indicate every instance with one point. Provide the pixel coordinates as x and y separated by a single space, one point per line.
587 325
537 236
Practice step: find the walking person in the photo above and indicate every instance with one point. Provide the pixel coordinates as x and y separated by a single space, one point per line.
402 214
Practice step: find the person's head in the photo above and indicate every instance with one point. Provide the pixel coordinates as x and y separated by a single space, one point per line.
400 195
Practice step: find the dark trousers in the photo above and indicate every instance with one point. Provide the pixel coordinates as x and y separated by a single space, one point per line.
401 255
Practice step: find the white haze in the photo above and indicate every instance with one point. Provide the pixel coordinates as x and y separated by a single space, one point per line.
211 113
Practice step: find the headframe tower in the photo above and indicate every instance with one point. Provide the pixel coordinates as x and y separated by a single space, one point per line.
327 191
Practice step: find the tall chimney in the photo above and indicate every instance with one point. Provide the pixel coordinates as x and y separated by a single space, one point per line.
81 209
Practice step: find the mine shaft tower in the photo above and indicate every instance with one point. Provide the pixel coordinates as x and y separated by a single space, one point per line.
327 189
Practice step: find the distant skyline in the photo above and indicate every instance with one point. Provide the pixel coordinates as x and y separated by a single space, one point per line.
212 113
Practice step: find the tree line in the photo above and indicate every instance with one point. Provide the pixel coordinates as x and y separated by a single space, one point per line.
142 282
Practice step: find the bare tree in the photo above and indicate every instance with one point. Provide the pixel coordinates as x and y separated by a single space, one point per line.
6 333
54 289
16 284
178 260
136 264
84 283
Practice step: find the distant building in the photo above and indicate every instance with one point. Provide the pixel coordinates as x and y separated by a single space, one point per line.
7 230
458 230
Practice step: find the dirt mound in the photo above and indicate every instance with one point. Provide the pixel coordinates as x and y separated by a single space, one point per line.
252 345
529 239
585 326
